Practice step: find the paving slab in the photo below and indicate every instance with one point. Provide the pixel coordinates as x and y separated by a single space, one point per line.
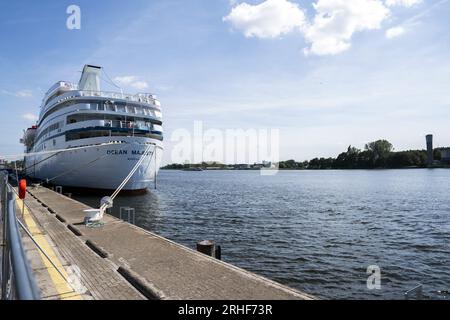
98 277
168 269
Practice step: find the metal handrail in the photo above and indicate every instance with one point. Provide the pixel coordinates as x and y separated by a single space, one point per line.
142 98
146 98
17 280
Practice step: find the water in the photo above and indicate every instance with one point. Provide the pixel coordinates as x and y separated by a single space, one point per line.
316 231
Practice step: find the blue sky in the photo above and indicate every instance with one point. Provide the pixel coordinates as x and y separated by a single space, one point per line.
326 73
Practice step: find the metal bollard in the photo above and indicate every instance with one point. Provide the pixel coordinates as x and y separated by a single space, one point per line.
218 253
130 212
207 247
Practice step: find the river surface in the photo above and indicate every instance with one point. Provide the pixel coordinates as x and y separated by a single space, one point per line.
317 231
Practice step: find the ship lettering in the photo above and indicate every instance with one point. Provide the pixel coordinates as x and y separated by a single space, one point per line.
139 153
116 152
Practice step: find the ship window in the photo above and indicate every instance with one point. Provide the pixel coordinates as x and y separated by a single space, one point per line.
57 93
87 134
106 133
53 127
121 108
45 132
110 106
90 104
81 117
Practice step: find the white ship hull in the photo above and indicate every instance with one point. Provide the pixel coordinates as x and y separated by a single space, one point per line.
93 139
99 167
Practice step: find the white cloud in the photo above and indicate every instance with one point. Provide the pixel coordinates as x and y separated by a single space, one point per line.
132 82
140 85
24 93
331 29
395 32
269 19
30 117
125 80
402 3
336 21
19 94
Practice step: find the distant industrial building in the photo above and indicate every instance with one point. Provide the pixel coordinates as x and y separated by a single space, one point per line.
445 153
430 158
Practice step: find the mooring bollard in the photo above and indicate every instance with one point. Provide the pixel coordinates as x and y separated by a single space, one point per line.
207 247
59 189
131 216
218 253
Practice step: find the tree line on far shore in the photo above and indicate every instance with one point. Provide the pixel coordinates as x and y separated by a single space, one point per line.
376 154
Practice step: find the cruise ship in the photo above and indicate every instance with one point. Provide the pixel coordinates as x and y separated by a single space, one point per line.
92 139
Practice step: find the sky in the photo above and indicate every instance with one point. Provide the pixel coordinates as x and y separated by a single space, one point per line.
325 73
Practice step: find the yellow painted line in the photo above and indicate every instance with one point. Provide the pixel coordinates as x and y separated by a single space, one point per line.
65 292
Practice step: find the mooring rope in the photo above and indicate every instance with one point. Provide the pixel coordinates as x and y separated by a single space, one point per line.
34 164
128 177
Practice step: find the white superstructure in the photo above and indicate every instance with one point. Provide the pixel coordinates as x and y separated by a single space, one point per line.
90 138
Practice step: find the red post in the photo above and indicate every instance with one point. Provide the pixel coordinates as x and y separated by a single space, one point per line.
22 188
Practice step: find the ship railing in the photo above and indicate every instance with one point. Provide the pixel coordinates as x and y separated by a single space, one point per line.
17 280
140 97
108 123
129 124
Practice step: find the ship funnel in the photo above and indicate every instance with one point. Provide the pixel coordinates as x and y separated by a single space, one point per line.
90 78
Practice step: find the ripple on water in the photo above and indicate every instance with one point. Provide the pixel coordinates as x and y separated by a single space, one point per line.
317 231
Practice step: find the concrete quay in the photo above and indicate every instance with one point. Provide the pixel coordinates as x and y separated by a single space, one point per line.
117 260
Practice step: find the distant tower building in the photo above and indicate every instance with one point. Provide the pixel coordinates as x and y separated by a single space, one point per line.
430 159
